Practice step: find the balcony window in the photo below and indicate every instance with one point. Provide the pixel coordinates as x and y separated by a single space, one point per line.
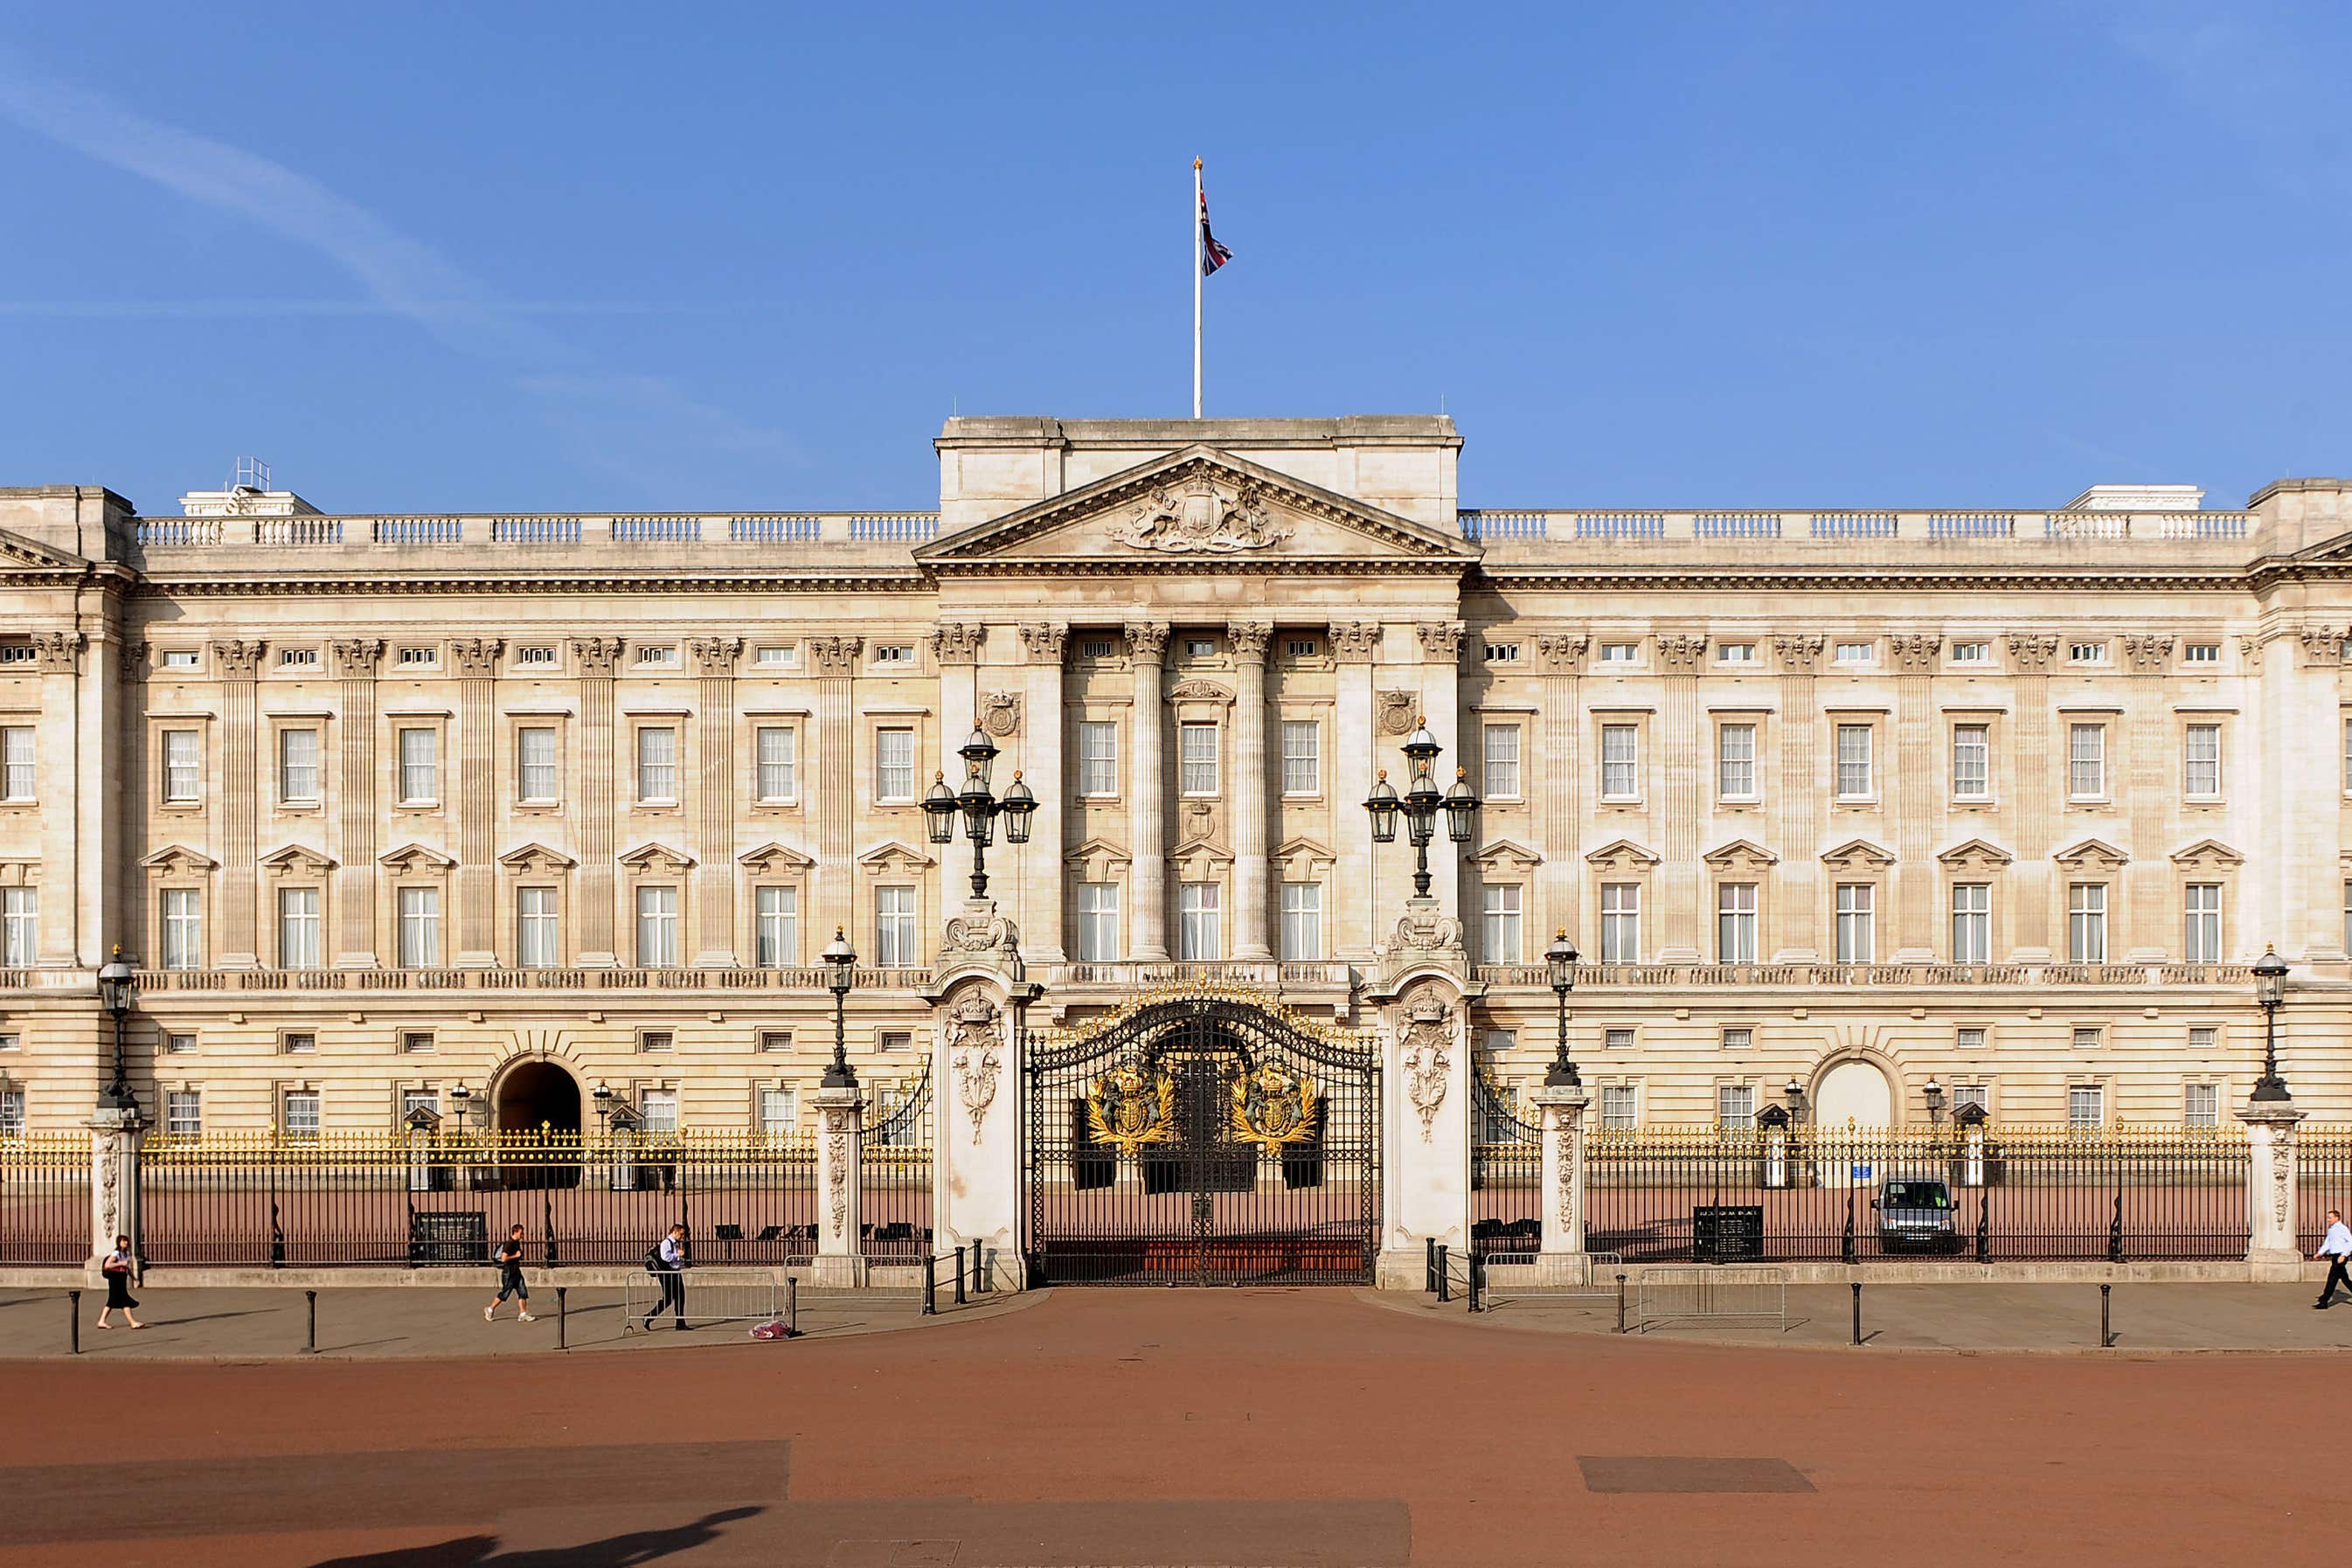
1302 920
895 945
1498 918
20 927
2202 936
1620 922
2086 923
658 766
420 928
1856 922
298 928
1302 757
1500 751
538 933
1097 923
1735 922
776 943
1972 922
183 928
1200 929
656 928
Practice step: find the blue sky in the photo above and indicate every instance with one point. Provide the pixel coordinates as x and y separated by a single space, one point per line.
575 257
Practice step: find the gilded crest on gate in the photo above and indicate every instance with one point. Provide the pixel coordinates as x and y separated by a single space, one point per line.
1126 1109
1272 1109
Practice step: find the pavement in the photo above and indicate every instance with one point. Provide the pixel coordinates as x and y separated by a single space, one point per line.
1213 1428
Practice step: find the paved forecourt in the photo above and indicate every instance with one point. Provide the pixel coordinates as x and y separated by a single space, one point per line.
1199 1427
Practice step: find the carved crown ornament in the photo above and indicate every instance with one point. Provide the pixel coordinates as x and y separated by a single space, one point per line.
1397 711
999 714
1200 515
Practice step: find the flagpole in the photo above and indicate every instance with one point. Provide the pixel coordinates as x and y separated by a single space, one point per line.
1196 287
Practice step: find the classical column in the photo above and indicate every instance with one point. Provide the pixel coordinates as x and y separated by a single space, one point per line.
1356 880
1148 794
1427 1130
2146 935
353 835
1913 797
1440 710
1040 729
1562 1193
239 662
2038 771
2274 1248
1681 875
1252 871
476 659
714 815
835 659
840 1262
64 768
955 650
1797 910
1556 776
596 658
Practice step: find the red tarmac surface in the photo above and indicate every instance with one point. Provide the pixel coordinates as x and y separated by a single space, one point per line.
1165 1426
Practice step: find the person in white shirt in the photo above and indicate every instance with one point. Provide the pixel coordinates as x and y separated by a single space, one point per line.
672 1254
2335 1247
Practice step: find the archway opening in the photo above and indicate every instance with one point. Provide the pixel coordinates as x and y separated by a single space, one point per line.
1854 1093
533 1096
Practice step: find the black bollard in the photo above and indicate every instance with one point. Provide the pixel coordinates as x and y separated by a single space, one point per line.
563 1323
1477 1281
73 1320
1621 1303
310 1336
792 1306
1445 1275
2106 1318
931 1287
1429 1264
1857 1311
979 1269
958 1295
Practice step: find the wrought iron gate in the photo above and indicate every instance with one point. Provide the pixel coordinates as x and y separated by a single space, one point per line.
1506 1171
1203 1138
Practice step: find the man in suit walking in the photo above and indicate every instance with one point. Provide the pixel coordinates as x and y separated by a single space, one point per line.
2335 1247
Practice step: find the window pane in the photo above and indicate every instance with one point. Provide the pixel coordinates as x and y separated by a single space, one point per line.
537 768
1097 923
656 927
894 764
1619 763
1857 910
1736 760
16 780
894 927
182 764
1854 759
1620 922
1199 931
1302 920
658 765
1302 760
419 765
297 764
537 933
1502 755
1972 922
1098 758
1734 923
298 928
777 940
2086 752
778 762
1198 743
20 922
2086 923
1971 761
2202 765
1500 922
420 928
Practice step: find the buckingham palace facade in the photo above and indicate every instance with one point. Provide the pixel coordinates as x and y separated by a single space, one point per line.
1884 809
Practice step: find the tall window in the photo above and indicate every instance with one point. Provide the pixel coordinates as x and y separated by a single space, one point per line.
420 767
535 763
1302 920
2201 941
778 1111
1972 922
1618 1107
1498 928
2200 1105
1098 758
1620 922
299 1115
1971 761
1854 761
1097 923
1197 757
16 782
2086 760
20 927
539 937
183 928
659 1110
779 762
1735 922
1620 766
2201 762
1735 762
1200 927
1857 916
297 764
298 928
184 766
657 764
183 1114
894 928
894 764
2086 923
420 928
1500 748
2086 1107
776 912
1302 757
1735 1107
656 928
12 1113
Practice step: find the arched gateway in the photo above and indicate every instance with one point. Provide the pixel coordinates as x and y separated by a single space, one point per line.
1202 1137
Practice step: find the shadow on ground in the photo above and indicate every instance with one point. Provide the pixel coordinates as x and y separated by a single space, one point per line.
612 1551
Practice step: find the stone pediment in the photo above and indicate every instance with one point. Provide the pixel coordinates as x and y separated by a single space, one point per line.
1195 509
536 859
771 858
895 857
177 860
2096 852
1097 860
1859 855
1505 855
414 857
1622 855
19 553
2208 855
1740 855
657 857
1304 858
1199 859
1976 855
296 860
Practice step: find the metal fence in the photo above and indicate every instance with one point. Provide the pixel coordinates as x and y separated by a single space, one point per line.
1670 1196
2323 1168
1505 1174
350 1200
44 1208
894 1172
709 1296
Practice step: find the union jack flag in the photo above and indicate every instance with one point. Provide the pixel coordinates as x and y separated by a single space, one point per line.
1212 255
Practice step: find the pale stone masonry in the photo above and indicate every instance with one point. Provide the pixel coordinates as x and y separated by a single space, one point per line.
1860 799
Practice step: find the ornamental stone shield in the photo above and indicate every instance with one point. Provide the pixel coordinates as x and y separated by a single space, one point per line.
1201 517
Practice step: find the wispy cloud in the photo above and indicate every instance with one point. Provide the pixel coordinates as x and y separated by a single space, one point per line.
399 276
215 310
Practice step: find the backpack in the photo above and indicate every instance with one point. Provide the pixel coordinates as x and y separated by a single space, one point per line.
653 1258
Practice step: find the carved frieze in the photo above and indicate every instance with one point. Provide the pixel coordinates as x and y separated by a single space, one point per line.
1355 642
1800 654
1200 517
834 656
957 642
714 655
1042 641
1562 653
356 658
597 656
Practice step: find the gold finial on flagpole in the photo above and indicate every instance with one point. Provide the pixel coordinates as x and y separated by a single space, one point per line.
1196 165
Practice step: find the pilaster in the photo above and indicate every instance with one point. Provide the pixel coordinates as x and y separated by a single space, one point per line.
714 819
239 662
1355 647
1680 877
61 761
476 659
598 872
976 1171
1427 1128
115 1133
1251 872
1557 775
2153 757
2038 773
834 658
1913 797
1148 794
351 834
1441 710
1796 910
1040 874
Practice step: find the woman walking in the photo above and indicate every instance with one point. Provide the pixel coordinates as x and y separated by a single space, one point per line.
117 1269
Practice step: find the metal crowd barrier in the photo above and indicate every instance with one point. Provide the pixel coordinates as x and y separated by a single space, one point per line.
713 1296
1717 1293
1586 1280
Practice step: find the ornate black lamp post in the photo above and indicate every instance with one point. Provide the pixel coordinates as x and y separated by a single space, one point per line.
1420 805
602 1096
2269 989
1559 958
1794 1093
979 807
115 984
840 963
1933 1092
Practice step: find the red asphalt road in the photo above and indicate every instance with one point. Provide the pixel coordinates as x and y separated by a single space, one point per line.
1164 1426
